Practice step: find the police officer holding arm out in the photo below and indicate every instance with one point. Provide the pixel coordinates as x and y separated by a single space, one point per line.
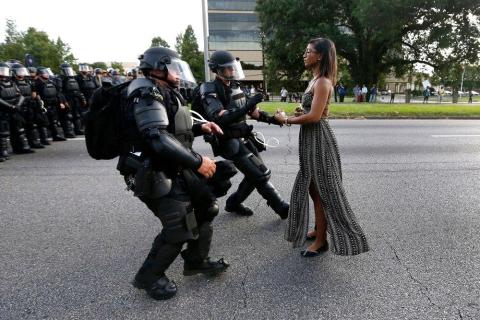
224 103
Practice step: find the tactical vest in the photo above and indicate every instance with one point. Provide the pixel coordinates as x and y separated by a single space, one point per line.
8 91
183 126
25 88
70 85
237 100
48 92
87 84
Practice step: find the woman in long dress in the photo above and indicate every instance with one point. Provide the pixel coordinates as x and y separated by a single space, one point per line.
320 172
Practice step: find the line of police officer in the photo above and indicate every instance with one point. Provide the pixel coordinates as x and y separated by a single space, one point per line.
34 104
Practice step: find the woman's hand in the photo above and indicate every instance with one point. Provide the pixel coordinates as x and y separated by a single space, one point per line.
299 111
211 127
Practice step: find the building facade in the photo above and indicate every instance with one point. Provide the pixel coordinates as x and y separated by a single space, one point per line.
234 26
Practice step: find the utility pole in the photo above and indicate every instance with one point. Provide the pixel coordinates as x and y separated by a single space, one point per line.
205 39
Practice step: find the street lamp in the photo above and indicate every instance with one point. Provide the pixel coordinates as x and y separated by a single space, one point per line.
262 35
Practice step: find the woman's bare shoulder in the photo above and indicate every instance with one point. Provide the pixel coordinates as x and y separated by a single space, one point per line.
322 84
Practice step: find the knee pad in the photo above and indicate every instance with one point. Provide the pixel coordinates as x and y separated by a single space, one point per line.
253 168
178 219
4 129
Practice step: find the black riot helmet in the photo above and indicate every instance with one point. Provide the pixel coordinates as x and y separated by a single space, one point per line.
19 70
43 72
32 70
4 70
225 65
164 59
67 70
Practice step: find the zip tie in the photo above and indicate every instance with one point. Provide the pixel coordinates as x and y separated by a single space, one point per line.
200 117
266 143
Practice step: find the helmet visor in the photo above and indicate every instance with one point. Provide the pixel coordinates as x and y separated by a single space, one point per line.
231 70
185 71
69 72
83 68
50 73
5 71
21 72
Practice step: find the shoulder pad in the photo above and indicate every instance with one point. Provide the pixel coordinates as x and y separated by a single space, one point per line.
207 87
138 84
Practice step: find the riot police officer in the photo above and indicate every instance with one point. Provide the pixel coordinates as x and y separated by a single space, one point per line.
32 108
71 117
53 100
158 125
86 81
224 103
11 120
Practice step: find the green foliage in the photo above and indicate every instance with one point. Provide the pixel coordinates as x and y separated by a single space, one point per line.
117 65
47 52
187 46
159 42
375 37
99 64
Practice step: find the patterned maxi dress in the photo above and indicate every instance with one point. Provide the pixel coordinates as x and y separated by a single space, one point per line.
320 164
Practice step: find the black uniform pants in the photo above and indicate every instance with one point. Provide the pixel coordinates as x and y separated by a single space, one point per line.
247 160
180 226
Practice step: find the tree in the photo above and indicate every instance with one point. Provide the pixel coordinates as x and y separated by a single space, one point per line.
159 42
187 46
99 64
13 47
46 52
373 36
117 65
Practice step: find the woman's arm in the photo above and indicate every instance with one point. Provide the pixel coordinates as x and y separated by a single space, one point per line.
321 90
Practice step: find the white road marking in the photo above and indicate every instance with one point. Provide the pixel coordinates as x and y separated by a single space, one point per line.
454 135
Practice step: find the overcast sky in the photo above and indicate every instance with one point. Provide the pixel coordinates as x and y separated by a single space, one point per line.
107 30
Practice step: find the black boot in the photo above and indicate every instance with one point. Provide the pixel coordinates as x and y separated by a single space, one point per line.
20 143
161 289
234 202
196 255
208 266
43 133
268 192
77 123
68 129
57 133
160 257
4 149
33 138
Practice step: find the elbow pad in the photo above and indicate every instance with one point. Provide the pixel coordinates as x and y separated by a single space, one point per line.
150 114
231 116
171 149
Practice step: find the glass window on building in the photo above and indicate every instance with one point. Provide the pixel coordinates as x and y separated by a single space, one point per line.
244 5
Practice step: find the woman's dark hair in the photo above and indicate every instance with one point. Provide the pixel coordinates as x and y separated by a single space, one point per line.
328 63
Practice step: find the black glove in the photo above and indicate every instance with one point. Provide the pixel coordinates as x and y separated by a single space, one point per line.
253 101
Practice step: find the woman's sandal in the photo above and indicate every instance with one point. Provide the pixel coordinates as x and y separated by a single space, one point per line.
307 253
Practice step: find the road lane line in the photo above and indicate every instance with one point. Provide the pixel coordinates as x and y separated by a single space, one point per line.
454 135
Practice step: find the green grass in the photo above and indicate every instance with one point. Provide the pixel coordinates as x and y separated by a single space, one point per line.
385 110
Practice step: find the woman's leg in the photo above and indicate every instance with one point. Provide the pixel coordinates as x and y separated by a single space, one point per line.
320 220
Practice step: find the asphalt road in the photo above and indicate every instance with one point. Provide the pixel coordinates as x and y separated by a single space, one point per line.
72 237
